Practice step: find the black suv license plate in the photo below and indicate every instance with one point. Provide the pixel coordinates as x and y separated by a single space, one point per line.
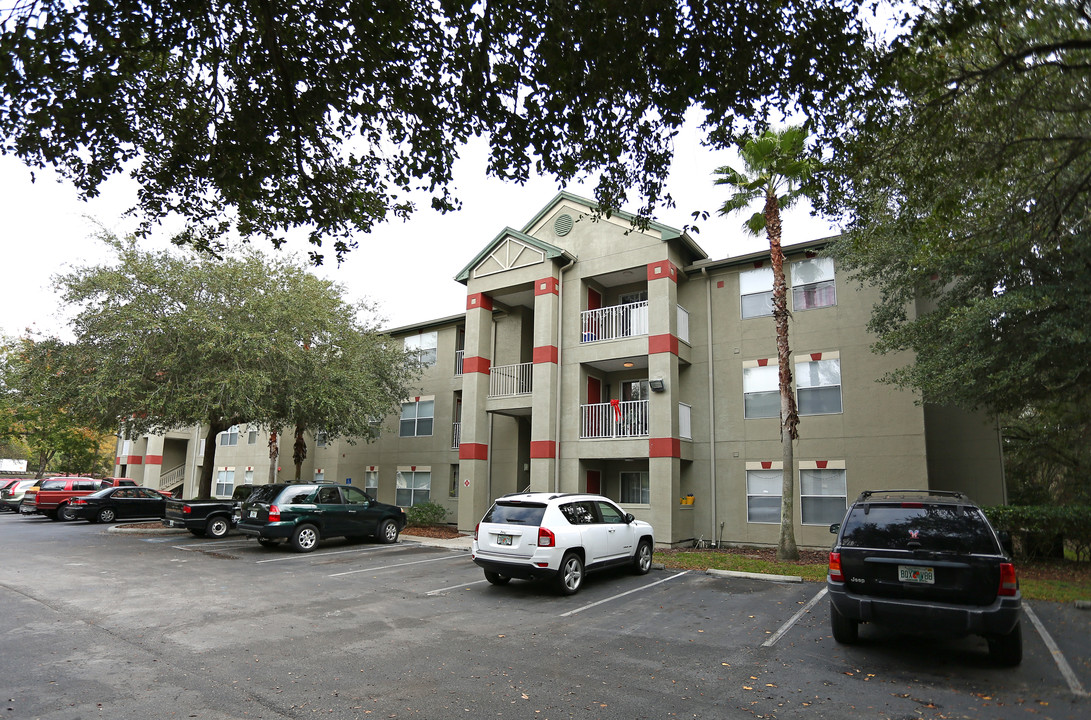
917 574
503 539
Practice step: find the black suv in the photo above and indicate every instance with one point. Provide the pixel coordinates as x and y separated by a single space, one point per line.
924 561
304 514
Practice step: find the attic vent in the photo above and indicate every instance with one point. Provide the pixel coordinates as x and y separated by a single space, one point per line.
562 225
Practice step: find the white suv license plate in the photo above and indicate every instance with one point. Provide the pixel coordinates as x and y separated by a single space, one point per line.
503 539
916 574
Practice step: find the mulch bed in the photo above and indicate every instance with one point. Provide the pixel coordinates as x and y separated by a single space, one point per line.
768 554
439 532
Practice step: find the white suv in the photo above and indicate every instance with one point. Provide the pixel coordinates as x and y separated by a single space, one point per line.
558 537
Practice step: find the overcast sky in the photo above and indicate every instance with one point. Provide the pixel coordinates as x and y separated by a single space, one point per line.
407 269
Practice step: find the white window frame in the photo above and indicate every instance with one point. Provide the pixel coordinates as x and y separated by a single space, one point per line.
453 491
806 383
417 417
754 286
319 475
248 476
225 482
643 487
819 484
424 346
252 436
321 439
371 481
760 483
756 381
417 483
813 275
230 437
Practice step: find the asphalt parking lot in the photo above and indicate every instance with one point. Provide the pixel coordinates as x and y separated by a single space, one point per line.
99 624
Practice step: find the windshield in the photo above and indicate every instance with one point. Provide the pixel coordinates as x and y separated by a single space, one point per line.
515 513
940 528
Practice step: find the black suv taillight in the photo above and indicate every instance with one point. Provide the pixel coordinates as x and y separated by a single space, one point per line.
836 574
1009 584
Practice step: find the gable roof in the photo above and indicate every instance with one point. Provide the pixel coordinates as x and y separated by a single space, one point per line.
550 251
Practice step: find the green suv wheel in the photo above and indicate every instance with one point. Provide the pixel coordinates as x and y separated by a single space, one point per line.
305 538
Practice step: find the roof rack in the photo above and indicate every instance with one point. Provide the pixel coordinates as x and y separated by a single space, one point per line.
940 493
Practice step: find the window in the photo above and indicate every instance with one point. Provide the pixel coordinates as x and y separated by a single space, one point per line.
252 436
763 495
609 513
319 476
355 496
230 436
822 496
423 347
321 438
371 482
248 477
813 284
635 488
412 487
761 392
756 291
453 492
225 480
818 386
417 418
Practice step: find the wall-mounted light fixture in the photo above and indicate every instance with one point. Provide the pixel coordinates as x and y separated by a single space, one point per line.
627 364
656 385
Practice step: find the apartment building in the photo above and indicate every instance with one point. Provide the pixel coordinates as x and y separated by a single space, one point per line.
593 356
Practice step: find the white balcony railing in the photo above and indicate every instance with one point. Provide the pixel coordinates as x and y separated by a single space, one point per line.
458 361
510 380
172 479
685 421
456 434
607 420
683 324
616 321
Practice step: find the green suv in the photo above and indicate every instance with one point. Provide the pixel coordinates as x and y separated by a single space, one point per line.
305 514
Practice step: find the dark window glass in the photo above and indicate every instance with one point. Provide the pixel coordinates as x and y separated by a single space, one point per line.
938 528
515 513
53 485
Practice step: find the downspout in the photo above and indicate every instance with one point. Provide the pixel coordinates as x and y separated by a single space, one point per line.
492 416
560 374
711 402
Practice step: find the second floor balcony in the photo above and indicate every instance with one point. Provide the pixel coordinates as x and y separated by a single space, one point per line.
511 380
616 321
619 419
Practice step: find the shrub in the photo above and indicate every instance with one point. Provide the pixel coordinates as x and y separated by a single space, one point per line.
426 513
1041 529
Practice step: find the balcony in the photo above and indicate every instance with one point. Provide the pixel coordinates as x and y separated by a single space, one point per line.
458 361
456 435
627 419
612 323
510 380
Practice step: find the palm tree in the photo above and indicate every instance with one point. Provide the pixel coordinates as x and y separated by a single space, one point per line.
778 170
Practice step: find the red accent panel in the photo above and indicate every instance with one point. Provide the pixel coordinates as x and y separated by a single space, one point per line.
473 451
594 299
117 461
766 464
547 286
763 362
822 464
479 300
135 460
665 447
545 354
543 449
154 459
475 365
816 356
665 268
720 284
759 263
662 344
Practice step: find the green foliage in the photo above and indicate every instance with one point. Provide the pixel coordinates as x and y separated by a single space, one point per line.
166 340
426 513
962 183
1035 523
334 116
1047 454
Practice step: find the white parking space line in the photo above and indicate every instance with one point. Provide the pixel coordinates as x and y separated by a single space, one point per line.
396 565
794 619
311 556
199 546
1066 670
455 587
621 595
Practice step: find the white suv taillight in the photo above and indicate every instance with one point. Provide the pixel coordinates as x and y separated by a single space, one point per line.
476 528
274 513
546 538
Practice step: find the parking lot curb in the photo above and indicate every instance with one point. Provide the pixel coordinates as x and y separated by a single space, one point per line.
754 576
1083 604
127 530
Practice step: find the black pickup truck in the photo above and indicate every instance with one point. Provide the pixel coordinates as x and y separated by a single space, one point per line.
206 518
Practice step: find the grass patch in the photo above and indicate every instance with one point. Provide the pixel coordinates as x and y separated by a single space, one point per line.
1051 581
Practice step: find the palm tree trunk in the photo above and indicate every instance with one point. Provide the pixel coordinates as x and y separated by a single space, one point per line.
274 456
789 417
299 451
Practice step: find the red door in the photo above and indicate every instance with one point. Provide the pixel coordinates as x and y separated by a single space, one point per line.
594 390
594 484
593 416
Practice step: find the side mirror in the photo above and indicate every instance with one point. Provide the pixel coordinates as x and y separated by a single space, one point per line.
629 518
835 528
